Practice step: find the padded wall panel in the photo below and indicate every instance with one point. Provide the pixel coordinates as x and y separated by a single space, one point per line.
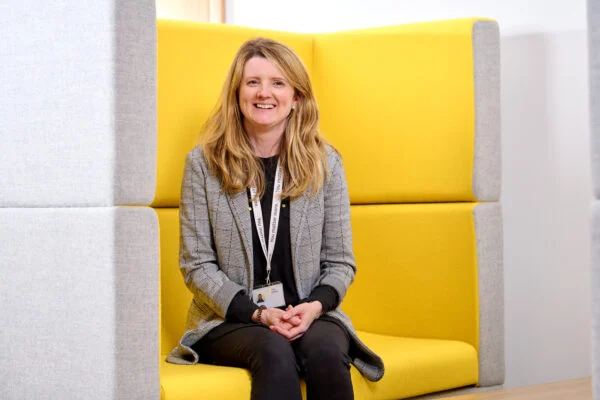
460 246
595 276
394 245
175 296
426 98
79 301
594 62
487 165
189 86
78 104
490 277
593 10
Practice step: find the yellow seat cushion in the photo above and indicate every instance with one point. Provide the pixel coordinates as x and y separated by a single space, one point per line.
413 367
418 366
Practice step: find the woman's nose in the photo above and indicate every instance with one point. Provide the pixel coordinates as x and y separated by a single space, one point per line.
263 91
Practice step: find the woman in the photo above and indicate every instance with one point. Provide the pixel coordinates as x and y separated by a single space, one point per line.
266 245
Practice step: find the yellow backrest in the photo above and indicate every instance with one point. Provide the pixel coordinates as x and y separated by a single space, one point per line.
398 102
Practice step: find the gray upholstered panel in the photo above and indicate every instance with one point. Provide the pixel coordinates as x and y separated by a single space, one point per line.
487 164
79 301
595 277
593 10
488 228
594 61
78 104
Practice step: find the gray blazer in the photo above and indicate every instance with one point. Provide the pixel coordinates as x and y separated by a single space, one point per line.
216 257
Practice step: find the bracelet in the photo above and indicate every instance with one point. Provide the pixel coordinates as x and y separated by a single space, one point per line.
259 314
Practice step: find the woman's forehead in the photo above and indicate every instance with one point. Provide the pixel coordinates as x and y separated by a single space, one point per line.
262 67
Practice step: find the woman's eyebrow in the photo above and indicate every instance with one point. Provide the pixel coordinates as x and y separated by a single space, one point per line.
279 78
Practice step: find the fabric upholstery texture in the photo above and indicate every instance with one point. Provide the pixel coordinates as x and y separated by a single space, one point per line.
389 242
490 276
79 283
79 309
78 104
486 55
594 63
595 276
419 137
593 19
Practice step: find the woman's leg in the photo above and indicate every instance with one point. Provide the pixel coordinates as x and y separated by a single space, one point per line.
323 356
267 355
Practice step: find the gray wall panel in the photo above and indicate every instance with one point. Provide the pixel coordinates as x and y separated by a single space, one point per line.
487 168
79 295
488 228
594 62
77 111
595 277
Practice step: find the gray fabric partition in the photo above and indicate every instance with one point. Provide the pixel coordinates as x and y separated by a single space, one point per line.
79 266
78 104
79 315
594 63
487 177
490 262
595 276
487 168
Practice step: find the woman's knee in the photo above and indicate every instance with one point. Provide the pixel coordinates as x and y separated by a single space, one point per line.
274 353
325 356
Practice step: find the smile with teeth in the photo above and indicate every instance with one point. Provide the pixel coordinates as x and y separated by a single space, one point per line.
265 106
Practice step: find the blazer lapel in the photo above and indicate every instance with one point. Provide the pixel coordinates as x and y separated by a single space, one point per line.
239 208
298 209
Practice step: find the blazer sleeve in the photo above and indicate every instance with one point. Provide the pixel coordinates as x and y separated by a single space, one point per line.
338 266
197 253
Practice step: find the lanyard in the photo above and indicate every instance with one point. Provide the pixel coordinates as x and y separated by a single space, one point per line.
274 223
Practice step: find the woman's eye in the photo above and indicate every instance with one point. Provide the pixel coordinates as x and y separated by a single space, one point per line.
278 83
252 82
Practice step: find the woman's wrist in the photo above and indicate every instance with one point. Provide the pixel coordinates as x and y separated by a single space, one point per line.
259 315
318 307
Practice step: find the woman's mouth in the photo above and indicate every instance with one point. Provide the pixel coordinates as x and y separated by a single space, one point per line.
264 106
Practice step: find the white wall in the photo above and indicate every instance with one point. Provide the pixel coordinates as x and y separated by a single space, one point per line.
546 173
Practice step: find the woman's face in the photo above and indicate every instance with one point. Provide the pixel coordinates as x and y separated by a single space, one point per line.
265 97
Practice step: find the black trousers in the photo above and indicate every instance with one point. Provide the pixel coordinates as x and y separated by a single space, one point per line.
276 365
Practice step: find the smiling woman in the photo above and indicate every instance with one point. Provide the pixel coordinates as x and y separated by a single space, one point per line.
264 178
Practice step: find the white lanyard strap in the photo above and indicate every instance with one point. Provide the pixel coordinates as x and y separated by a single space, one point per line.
274 223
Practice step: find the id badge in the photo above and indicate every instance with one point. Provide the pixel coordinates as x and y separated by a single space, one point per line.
269 296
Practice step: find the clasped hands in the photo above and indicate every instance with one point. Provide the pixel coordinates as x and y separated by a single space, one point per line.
292 322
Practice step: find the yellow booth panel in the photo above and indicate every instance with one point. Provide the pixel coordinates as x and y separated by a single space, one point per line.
193 60
417 271
398 103
175 296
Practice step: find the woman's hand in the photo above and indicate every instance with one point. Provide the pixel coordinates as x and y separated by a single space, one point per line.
274 317
299 318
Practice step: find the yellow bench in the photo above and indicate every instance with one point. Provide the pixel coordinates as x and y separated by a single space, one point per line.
414 111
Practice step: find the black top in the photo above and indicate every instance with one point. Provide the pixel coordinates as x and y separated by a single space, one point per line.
242 307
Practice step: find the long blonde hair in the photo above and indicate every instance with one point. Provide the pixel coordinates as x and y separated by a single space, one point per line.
227 146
